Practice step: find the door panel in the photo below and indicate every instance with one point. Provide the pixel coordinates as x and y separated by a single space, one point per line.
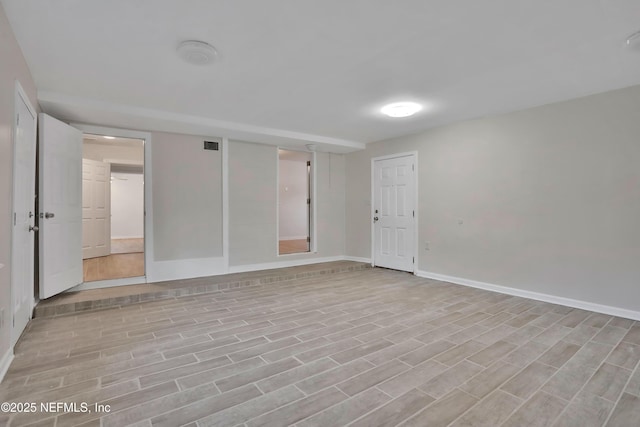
96 209
394 206
401 242
401 201
60 207
22 243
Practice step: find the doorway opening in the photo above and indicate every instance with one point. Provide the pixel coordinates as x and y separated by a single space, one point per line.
112 207
294 202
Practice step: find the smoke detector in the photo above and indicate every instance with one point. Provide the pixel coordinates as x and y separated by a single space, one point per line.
197 52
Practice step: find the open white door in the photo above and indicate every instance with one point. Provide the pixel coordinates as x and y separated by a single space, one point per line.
394 212
96 209
24 191
60 206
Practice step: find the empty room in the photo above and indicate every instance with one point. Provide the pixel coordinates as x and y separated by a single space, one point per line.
319 213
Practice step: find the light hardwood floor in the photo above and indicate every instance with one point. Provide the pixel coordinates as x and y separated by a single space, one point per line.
293 246
366 348
115 266
126 260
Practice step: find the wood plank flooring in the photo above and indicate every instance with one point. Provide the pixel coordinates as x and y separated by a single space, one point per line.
126 260
116 266
366 348
292 246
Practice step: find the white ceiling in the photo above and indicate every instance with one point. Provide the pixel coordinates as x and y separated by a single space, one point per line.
303 70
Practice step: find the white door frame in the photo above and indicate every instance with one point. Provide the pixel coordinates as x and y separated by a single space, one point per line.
21 96
415 200
148 205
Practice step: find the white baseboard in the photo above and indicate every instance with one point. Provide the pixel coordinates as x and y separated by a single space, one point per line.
160 271
126 237
569 302
282 264
99 284
357 259
292 237
5 362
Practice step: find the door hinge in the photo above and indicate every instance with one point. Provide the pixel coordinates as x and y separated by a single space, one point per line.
18 120
414 214
14 219
308 239
13 320
414 260
413 167
308 201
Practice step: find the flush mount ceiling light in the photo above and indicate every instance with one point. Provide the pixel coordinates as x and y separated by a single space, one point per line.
109 137
401 109
197 52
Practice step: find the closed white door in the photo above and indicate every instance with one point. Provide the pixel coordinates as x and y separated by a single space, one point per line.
394 212
60 206
96 209
22 243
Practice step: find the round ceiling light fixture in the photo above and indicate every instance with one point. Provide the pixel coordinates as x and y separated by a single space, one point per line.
401 109
197 52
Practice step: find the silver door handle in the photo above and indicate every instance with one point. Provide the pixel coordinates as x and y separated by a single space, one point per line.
33 228
375 219
49 215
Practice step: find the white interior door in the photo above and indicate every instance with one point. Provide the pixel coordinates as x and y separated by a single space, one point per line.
394 212
96 209
60 206
24 191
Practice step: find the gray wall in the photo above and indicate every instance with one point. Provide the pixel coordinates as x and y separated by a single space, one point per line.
549 198
12 67
187 198
253 205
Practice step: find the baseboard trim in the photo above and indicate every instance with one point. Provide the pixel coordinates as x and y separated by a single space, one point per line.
554 299
292 237
160 271
5 362
357 259
100 284
282 264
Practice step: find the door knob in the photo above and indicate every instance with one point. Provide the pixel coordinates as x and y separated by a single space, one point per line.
375 219
33 228
49 215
